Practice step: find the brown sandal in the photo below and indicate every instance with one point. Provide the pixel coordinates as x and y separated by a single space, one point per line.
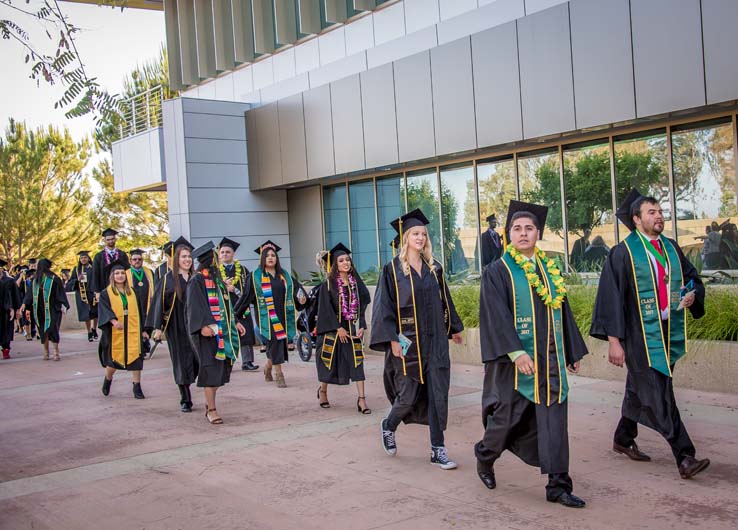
213 421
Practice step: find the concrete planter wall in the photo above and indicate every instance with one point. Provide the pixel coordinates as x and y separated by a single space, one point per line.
709 365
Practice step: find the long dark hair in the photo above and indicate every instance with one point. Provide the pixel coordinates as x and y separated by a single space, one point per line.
333 274
43 269
175 269
262 261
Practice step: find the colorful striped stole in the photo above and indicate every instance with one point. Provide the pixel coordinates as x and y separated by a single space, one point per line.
214 303
266 288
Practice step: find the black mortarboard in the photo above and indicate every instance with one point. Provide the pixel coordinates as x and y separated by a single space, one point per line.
43 262
137 251
3 263
181 241
109 232
490 217
538 212
330 257
66 270
267 245
409 220
31 261
84 253
119 266
395 243
203 251
166 247
17 267
625 212
226 242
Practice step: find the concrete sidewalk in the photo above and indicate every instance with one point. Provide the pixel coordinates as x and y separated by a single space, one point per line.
74 459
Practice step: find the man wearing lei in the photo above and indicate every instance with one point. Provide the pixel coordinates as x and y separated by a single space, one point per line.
640 311
529 340
234 277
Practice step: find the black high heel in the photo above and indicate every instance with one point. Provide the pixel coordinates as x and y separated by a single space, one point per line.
363 411
325 404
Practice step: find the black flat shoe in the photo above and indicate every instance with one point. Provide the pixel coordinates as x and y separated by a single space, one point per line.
106 386
249 367
486 475
690 466
186 407
631 452
569 500
137 392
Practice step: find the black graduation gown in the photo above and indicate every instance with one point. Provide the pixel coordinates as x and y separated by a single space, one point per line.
9 299
160 272
248 338
142 293
104 349
649 394
537 434
491 250
343 367
101 269
276 350
433 335
173 320
57 299
212 372
85 311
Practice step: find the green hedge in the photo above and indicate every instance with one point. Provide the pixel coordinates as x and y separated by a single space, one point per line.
719 323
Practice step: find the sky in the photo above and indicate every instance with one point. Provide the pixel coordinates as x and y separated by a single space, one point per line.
112 42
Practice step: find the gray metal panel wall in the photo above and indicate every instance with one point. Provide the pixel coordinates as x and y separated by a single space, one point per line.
305 221
603 61
292 139
243 31
187 41
252 147
667 51
270 157
174 58
497 85
719 23
545 72
225 58
204 35
413 94
380 123
348 135
319 132
453 97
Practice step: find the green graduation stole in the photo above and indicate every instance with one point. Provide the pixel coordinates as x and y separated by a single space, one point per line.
265 301
46 293
527 329
662 351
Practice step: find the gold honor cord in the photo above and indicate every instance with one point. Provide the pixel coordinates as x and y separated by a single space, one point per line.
399 317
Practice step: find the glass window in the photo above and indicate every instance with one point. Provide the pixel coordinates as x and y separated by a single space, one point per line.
497 187
335 215
460 229
640 162
589 215
390 206
540 183
704 186
422 192
363 226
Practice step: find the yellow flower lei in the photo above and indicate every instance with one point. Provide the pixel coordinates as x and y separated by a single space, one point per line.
535 281
237 277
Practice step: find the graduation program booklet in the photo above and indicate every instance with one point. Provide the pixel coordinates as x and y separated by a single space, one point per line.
405 343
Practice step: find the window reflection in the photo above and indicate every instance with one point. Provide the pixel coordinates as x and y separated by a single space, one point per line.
335 215
459 207
496 189
390 206
363 227
641 162
704 186
540 183
422 192
588 206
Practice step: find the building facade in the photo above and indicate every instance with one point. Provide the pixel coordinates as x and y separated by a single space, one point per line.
315 122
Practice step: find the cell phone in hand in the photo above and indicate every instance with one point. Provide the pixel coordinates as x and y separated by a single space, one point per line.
689 288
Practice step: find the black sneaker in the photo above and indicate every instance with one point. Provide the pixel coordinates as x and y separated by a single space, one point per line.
439 457
248 366
89 336
388 439
94 334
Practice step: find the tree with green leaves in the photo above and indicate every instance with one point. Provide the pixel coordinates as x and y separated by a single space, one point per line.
45 201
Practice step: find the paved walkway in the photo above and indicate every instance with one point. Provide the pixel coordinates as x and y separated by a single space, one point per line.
72 459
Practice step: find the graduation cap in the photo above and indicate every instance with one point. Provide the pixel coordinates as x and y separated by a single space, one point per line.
625 212
119 266
43 262
226 242
332 255
137 251
3 263
84 253
109 232
203 252
537 212
181 241
409 220
32 261
395 245
268 245
166 247
491 217
66 270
